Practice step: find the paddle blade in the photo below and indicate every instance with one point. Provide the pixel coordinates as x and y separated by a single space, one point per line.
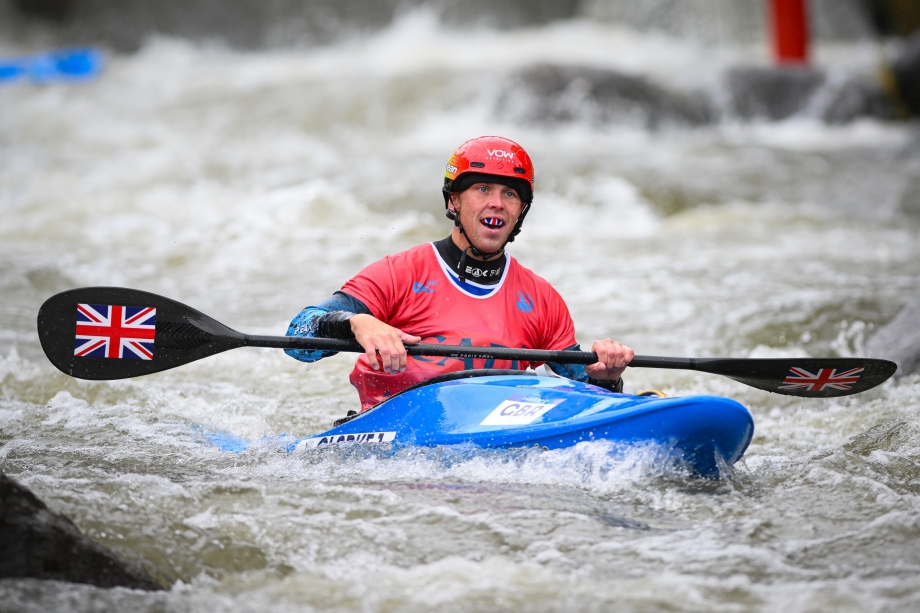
104 333
804 377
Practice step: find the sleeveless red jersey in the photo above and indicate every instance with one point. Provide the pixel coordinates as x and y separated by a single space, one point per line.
418 293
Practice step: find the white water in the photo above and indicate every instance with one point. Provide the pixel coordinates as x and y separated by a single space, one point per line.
250 184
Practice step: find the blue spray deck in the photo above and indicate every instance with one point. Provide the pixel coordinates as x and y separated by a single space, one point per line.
524 411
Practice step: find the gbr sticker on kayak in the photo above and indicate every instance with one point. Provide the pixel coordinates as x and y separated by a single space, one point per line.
519 410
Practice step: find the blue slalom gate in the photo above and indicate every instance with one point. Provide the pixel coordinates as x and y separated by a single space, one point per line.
53 66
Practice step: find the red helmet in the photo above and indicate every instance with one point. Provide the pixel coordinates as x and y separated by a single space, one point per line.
490 159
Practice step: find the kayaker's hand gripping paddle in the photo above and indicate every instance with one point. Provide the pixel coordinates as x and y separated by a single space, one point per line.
82 330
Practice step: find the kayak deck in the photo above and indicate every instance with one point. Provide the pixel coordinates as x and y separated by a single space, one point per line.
524 411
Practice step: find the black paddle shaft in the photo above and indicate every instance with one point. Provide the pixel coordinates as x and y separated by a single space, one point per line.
82 330
427 349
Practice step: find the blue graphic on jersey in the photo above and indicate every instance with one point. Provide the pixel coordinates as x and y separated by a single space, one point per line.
524 302
469 288
418 287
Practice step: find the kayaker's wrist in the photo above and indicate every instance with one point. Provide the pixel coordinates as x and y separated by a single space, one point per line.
615 385
336 324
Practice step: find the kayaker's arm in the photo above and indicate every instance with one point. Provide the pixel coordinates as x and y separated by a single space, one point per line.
577 372
328 319
384 345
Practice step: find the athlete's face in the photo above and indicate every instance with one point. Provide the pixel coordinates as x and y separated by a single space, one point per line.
488 212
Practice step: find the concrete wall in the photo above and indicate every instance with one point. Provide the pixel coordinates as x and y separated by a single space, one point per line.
124 24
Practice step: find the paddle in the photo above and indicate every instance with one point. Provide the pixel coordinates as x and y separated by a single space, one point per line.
82 329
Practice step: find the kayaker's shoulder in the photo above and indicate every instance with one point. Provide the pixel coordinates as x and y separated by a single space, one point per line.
400 261
417 253
525 274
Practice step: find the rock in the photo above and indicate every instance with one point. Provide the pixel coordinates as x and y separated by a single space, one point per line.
772 93
551 93
855 96
899 341
781 92
36 542
906 70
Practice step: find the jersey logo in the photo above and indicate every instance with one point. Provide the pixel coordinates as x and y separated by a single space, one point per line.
524 302
426 287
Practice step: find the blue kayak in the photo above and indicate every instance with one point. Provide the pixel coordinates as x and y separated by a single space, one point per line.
508 411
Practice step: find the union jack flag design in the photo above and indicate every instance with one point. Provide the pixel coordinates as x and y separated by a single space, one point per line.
801 379
113 331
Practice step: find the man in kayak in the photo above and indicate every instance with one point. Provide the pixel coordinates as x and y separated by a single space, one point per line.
461 290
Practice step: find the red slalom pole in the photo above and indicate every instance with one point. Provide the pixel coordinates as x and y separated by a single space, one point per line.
789 29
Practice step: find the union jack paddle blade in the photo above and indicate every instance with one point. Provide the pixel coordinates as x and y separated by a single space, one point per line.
101 333
806 377
821 379
115 331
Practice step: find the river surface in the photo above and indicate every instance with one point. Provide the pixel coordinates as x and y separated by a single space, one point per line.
249 184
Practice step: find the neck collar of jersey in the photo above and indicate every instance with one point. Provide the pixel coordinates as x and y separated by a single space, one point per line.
478 271
475 288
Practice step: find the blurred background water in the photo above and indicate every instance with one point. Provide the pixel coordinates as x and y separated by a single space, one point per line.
247 158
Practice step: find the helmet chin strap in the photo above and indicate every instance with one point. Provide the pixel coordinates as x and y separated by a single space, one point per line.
476 251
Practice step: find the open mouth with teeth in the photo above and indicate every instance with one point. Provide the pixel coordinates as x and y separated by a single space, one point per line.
493 222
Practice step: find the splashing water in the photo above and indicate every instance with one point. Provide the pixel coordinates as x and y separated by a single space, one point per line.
249 184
